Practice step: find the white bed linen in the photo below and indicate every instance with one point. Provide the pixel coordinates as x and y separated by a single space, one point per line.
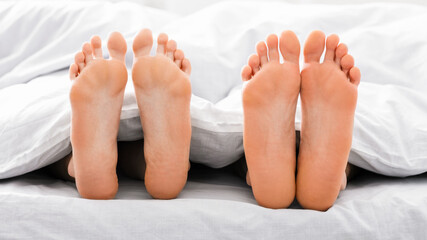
390 132
214 205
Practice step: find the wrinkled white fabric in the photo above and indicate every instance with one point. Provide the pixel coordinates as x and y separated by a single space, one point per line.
213 205
386 40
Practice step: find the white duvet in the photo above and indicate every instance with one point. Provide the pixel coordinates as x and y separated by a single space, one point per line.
214 204
38 41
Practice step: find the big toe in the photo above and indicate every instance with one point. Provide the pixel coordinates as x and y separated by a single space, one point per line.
143 43
289 46
117 46
314 46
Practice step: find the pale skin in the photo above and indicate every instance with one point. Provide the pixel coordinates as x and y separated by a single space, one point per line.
328 92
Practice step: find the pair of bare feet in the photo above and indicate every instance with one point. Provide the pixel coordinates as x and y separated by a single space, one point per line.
328 94
163 92
162 87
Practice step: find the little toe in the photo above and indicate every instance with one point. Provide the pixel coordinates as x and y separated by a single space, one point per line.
354 75
314 46
79 59
261 50
186 66
87 51
290 47
246 73
340 52
142 43
273 51
179 56
117 46
347 62
170 49
96 44
74 71
331 45
162 40
253 62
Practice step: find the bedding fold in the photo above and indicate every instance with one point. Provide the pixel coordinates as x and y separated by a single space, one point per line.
390 130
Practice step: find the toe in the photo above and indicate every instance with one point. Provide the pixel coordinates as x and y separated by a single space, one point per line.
179 56
170 49
347 62
246 73
186 66
354 75
96 44
117 46
253 62
162 40
273 51
331 45
87 51
289 46
74 71
261 50
142 43
340 52
79 59
314 46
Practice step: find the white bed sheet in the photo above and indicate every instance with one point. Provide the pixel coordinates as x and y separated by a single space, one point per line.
215 204
387 41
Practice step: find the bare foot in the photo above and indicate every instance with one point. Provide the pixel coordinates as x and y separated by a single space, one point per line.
96 100
163 93
328 99
269 104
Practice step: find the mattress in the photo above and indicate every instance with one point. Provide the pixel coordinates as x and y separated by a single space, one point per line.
215 204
